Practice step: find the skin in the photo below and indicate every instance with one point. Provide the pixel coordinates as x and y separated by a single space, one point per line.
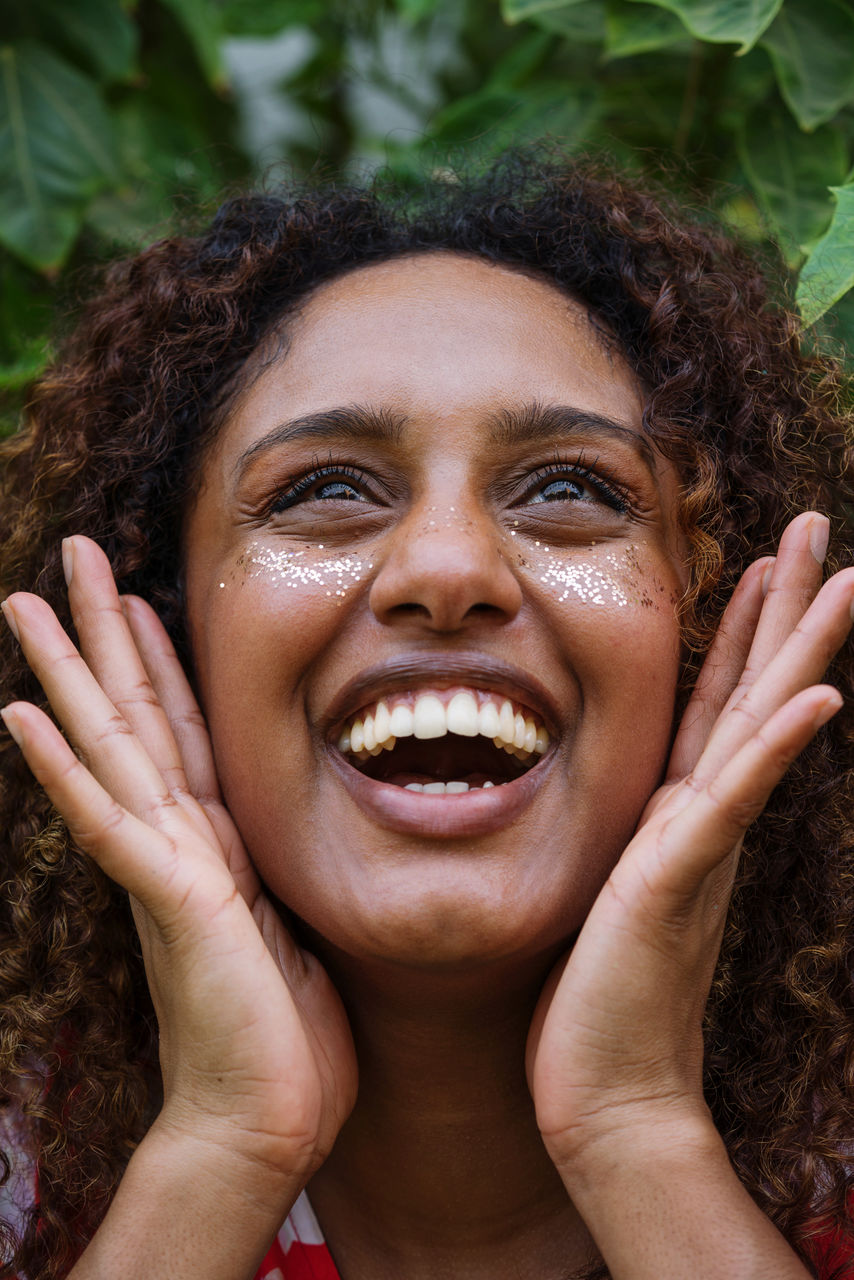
461 585
514 1098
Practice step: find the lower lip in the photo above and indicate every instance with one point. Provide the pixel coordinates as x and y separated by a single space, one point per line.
471 813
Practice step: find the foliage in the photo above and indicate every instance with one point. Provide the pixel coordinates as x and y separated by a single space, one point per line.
116 119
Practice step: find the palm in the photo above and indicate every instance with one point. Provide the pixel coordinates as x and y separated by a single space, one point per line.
619 1026
253 1038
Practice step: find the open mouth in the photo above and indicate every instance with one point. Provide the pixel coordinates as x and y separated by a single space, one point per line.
444 742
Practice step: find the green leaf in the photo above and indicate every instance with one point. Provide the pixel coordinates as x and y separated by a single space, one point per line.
523 58
514 11
738 22
838 323
491 120
639 28
811 46
202 26
790 173
98 32
269 17
415 10
828 272
56 151
582 22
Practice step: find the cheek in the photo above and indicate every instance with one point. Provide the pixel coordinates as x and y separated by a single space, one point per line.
257 626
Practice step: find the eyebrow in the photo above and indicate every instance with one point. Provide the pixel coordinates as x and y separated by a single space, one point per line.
535 422
508 427
350 422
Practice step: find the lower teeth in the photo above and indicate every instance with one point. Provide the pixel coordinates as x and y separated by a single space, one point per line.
444 788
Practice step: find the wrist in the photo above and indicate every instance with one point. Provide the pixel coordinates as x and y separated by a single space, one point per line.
634 1132
219 1144
189 1205
662 1201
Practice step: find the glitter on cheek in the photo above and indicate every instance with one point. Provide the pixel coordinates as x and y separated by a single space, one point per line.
588 582
333 575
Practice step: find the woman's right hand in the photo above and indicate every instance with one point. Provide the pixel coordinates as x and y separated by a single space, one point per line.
255 1049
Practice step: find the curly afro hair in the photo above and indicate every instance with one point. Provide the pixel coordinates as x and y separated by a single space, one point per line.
114 434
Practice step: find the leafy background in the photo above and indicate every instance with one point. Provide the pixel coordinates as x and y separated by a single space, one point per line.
117 117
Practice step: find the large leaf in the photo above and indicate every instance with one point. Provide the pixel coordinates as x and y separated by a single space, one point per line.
522 10
738 22
97 33
811 44
581 22
640 28
269 17
828 272
56 151
837 328
790 173
489 121
202 25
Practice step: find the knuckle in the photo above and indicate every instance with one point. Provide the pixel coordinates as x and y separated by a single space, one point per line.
139 695
103 830
189 719
114 727
736 812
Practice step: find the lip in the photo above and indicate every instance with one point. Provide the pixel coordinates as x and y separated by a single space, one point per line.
442 671
472 813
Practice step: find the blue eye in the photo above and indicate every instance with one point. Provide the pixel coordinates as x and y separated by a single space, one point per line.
338 490
574 482
564 489
324 484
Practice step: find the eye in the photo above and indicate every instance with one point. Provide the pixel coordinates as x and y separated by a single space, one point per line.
324 484
574 483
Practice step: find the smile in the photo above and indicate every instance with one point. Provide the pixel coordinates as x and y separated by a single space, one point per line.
444 742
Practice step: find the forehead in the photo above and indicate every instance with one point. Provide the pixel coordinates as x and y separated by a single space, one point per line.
443 329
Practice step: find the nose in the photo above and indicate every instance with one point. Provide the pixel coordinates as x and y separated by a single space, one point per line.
446 568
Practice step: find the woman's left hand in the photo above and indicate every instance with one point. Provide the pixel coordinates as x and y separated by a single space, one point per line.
615 1053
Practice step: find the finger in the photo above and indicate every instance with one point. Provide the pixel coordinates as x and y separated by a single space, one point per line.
710 821
795 582
106 741
144 861
800 663
173 692
108 649
721 670
190 732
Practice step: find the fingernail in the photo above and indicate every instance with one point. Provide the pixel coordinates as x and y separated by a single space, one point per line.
819 536
766 578
10 618
67 560
12 725
827 710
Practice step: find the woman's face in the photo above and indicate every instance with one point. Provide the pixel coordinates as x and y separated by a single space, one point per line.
438 510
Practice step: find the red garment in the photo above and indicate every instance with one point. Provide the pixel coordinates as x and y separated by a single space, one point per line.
299 1251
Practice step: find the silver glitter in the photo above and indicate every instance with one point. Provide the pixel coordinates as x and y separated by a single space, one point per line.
588 582
302 569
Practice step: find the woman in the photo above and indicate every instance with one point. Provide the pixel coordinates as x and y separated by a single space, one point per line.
453 516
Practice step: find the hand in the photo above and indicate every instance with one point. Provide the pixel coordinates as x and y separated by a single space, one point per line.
615 1051
255 1049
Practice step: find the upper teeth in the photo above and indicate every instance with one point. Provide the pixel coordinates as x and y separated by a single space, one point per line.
467 712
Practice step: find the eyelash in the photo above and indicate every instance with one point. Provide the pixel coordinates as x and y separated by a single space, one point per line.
615 495
330 470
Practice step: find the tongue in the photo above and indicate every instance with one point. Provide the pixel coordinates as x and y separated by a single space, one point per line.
448 759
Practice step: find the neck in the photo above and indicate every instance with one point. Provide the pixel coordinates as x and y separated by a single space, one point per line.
442 1148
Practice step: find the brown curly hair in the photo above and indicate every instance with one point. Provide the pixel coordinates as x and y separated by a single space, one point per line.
111 447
